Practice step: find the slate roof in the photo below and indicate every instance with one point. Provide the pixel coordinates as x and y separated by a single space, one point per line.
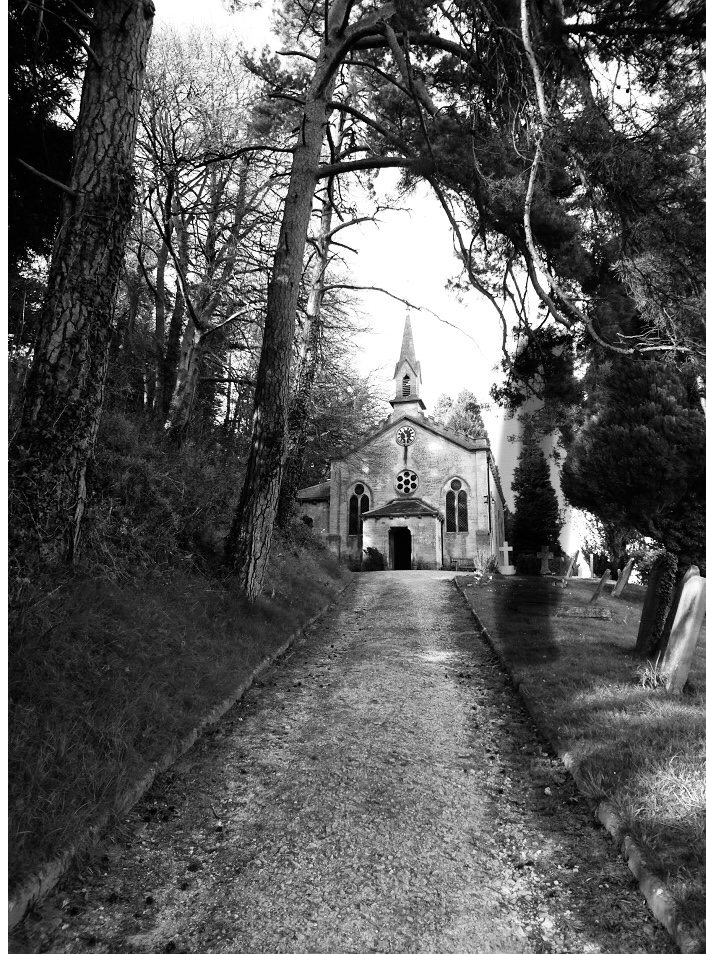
405 507
317 492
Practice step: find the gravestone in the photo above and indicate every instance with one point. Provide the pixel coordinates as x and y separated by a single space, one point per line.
656 605
600 587
570 570
506 550
685 633
692 572
624 577
546 557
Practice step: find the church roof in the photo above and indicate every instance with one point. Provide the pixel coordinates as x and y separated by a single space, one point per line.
407 507
317 492
417 421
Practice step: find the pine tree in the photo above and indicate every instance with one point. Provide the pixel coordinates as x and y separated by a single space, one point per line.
537 521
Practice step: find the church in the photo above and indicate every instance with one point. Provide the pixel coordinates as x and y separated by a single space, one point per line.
424 496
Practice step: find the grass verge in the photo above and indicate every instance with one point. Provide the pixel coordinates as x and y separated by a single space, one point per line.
629 741
105 672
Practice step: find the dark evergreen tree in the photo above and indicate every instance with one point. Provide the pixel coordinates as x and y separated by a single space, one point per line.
639 461
537 521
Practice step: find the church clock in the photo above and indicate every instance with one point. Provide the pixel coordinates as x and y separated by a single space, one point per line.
406 435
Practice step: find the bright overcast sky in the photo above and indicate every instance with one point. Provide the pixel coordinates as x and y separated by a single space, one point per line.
411 255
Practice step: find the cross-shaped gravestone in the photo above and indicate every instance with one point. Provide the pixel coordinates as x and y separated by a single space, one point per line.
546 556
506 549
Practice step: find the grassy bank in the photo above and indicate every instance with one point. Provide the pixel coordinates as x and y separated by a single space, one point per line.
107 670
633 744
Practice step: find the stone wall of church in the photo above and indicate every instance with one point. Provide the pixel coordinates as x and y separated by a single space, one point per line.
318 512
426 539
435 461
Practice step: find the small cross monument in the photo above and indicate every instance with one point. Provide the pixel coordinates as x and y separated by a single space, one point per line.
506 549
546 555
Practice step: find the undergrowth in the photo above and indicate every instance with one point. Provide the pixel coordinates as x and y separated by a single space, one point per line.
115 659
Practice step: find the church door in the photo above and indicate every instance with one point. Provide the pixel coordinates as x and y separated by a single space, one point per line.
401 548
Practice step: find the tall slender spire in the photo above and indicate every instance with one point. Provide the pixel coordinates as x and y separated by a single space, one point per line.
407 376
407 349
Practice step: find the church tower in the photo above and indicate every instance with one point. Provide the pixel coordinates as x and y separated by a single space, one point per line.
408 378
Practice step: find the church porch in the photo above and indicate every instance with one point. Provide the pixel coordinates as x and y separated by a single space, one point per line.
408 534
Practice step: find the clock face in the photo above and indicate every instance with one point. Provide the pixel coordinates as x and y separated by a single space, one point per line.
405 435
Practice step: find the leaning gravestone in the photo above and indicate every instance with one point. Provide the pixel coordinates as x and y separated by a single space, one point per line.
685 633
656 606
623 580
692 572
600 587
570 570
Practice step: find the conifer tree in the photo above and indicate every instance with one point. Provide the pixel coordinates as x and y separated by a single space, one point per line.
639 461
537 521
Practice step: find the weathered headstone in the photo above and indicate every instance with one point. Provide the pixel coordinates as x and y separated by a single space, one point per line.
570 570
656 605
692 572
506 549
624 577
546 556
685 633
600 587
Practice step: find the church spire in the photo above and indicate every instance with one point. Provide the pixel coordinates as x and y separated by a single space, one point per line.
407 349
407 376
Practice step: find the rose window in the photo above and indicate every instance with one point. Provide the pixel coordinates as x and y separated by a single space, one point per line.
407 482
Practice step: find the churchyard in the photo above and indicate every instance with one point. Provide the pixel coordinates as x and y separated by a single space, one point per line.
632 745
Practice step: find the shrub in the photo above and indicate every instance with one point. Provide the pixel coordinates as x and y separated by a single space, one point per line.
529 564
373 559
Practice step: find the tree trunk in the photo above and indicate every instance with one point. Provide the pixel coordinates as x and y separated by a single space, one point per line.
304 373
64 393
172 352
186 381
248 544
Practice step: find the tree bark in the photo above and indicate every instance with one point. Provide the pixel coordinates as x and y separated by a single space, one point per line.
250 538
204 303
304 372
64 393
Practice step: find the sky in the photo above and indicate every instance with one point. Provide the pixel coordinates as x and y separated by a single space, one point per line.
411 255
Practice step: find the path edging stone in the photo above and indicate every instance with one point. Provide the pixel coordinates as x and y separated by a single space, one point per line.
659 899
38 885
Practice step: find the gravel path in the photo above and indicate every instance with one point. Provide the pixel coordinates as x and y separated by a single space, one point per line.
381 790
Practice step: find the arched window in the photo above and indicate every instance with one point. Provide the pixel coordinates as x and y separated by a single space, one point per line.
456 508
405 386
357 506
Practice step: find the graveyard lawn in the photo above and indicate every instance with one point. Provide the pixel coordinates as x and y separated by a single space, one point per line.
629 741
